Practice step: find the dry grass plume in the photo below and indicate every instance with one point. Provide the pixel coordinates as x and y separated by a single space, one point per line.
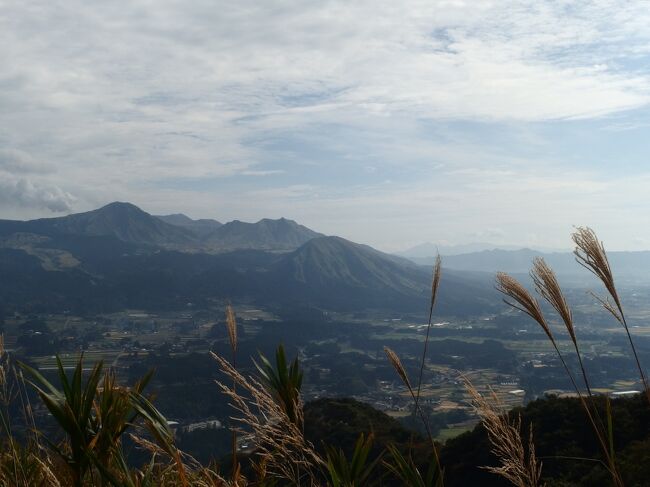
590 253
279 442
519 464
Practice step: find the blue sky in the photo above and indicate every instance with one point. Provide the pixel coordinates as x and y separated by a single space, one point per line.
387 123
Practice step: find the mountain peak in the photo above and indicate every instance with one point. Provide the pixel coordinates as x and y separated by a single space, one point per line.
277 221
342 274
176 219
120 206
121 220
327 246
126 222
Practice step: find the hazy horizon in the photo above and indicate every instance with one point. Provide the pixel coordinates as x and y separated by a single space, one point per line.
448 122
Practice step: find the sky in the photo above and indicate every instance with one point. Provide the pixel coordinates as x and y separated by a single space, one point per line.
388 123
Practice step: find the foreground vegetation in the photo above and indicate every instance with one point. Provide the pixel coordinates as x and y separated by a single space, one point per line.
98 423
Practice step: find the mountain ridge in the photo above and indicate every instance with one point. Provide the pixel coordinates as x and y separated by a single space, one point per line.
326 272
266 234
200 227
128 223
123 221
428 250
629 266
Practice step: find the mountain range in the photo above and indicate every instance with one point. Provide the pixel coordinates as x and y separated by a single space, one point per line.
120 257
212 236
428 249
123 221
631 267
128 223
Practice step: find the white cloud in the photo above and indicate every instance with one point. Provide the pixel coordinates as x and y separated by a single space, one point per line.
19 162
121 100
22 192
269 172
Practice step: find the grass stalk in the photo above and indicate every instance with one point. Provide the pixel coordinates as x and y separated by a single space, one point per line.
590 254
518 297
397 364
394 359
519 464
547 286
231 324
278 438
435 282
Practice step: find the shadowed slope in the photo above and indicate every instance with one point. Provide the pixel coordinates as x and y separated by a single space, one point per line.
335 272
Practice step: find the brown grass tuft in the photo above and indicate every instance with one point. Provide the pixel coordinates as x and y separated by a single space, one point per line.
437 273
548 287
280 443
231 324
590 253
399 368
522 300
519 464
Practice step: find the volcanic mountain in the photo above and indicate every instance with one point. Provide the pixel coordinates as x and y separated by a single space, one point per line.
123 221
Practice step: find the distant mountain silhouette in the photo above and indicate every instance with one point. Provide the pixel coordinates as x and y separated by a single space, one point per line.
628 267
123 221
200 228
513 261
128 223
428 250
